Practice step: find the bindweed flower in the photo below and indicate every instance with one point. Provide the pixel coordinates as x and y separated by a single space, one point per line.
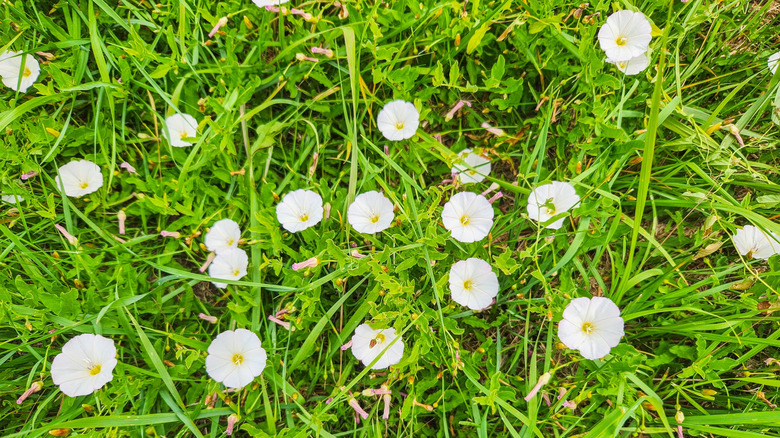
752 242
11 199
223 235
550 200
79 178
178 127
264 3
772 62
473 283
591 325
471 167
468 216
230 264
220 23
370 213
85 365
633 66
625 35
398 120
299 210
14 75
235 358
174 234
368 344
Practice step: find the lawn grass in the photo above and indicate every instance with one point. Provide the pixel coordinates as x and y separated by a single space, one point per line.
669 164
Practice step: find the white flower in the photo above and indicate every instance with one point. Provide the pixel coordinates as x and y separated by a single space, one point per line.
299 210
235 358
550 200
264 3
85 365
591 325
12 71
368 344
398 120
468 216
178 127
471 167
11 199
633 66
79 178
370 213
772 62
473 283
230 264
750 241
625 35
224 234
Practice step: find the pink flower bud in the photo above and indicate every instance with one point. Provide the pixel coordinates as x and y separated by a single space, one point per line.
209 259
222 21
209 318
310 263
35 387
69 237
28 175
174 234
125 165
231 422
121 217
346 346
357 408
276 320
495 131
541 382
455 109
327 52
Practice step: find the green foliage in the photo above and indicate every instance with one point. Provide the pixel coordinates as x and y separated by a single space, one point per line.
700 332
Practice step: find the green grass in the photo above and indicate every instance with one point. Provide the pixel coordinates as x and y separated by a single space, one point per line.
662 178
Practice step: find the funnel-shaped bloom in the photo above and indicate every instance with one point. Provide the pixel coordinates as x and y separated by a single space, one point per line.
299 210
16 76
79 178
398 120
85 365
625 35
468 216
178 127
235 358
591 325
368 344
370 213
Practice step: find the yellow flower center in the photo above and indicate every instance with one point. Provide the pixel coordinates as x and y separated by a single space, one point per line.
399 125
230 242
472 172
622 65
183 135
620 41
236 272
238 359
468 284
27 72
587 327
94 370
304 217
464 220
380 338
374 218
84 185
